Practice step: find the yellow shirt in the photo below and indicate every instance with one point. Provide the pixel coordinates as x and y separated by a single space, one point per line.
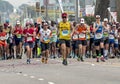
65 30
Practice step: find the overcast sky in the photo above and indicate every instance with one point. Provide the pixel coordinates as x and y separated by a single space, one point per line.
17 3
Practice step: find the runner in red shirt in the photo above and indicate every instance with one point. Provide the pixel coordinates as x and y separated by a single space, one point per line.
17 32
29 35
3 43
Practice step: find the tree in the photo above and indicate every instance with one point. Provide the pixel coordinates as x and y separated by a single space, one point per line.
101 8
118 10
6 7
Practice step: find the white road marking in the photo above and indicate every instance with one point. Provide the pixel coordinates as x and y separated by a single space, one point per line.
38 60
7 71
18 73
93 64
2 70
51 83
25 75
40 79
32 76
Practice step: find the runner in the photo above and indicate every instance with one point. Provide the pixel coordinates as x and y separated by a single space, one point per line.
112 40
45 36
53 29
81 30
92 47
116 42
74 41
29 35
17 32
7 31
65 33
106 37
3 43
88 42
99 44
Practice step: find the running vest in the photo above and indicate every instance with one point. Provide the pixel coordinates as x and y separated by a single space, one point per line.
80 29
111 34
99 32
106 32
64 29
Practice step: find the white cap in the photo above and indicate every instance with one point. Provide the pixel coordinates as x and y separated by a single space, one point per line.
45 23
114 25
97 16
82 20
105 19
18 22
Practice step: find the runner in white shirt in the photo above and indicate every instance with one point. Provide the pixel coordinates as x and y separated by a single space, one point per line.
45 36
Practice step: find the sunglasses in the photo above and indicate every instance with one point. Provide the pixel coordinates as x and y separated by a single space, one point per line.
97 18
64 17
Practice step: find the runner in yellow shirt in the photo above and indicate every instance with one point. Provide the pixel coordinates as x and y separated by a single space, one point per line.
65 31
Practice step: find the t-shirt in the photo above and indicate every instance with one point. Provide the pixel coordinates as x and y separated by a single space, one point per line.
44 35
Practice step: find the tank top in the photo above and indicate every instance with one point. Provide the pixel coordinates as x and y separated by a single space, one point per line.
64 29
99 32
80 29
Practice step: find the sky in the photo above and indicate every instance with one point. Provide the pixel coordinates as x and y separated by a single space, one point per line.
17 3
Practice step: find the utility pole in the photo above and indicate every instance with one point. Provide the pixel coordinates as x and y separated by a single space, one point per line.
76 13
46 17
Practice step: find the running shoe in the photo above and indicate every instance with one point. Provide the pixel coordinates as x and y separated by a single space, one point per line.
28 61
46 61
81 58
78 59
102 59
97 59
65 62
42 59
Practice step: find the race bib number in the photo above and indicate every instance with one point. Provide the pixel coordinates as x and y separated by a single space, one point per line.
10 40
98 36
2 38
91 35
53 33
7 36
65 32
46 40
111 36
75 36
81 35
106 34
29 39
19 36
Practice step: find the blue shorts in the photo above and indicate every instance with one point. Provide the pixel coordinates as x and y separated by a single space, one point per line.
115 45
17 41
30 44
111 41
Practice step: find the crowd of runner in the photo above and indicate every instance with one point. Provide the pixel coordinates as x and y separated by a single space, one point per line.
65 39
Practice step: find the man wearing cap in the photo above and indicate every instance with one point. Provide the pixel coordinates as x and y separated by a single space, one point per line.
98 37
65 31
81 31
17 32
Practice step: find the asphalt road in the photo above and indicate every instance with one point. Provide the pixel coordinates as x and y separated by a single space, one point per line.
88 72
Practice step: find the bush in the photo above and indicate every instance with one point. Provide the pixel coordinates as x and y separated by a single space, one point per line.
89 19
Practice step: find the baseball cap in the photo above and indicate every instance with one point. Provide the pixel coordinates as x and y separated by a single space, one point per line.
97 16
105 19
45 23
64 14
18 22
